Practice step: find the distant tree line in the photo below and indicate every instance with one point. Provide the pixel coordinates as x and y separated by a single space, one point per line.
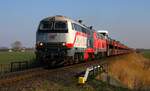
16 46
141 49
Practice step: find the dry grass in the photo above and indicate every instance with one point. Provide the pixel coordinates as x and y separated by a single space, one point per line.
133 70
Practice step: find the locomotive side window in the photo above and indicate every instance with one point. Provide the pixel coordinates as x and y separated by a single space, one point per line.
80 28
45 25
84 30
77 27
60 25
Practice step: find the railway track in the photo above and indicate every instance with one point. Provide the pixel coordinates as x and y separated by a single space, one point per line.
17 76
61 73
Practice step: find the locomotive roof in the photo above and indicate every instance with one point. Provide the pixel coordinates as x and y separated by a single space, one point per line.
103 31
58 17
64 18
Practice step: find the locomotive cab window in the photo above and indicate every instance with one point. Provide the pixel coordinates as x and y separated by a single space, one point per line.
45 25
77 27
60 25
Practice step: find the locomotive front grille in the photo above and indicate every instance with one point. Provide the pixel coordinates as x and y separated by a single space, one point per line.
54 50
53 45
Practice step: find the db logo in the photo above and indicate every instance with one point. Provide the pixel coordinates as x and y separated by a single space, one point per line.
52 35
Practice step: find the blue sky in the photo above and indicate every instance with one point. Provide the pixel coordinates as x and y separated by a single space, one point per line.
126 20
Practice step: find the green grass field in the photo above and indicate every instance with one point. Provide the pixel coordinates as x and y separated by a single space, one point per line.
146 54
7 57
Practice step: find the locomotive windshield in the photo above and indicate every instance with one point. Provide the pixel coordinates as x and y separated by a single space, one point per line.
46 25
60 26
53 27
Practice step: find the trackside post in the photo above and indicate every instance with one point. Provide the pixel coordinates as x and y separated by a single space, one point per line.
94 69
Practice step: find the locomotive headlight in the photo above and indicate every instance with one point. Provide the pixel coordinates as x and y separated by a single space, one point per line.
41 44
63 44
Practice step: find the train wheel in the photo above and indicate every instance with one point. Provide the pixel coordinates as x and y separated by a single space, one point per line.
103 54
66 61
97 56
71 61
108 52
76 58
81 58
90 57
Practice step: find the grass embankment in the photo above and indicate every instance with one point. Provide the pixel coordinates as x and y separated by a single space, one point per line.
133 70
7 57
146 54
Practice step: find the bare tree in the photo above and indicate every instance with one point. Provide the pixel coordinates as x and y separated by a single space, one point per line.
17 45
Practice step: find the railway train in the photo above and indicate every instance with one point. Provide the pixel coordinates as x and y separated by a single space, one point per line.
61 40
